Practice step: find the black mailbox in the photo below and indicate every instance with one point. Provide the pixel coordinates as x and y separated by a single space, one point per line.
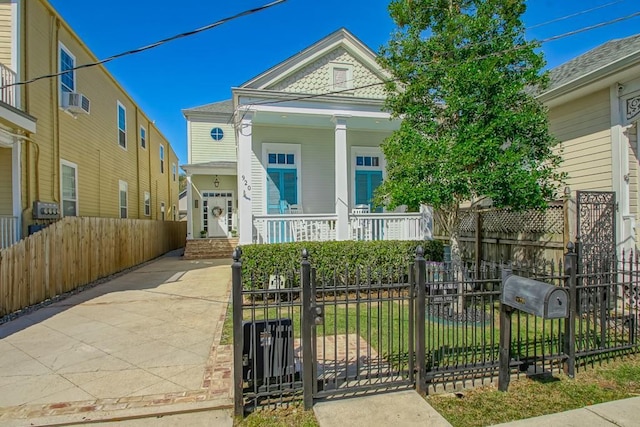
533 297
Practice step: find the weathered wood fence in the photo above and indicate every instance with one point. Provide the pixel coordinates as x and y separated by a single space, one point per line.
498 235
76 251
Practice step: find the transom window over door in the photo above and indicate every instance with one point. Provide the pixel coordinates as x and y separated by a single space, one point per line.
282 164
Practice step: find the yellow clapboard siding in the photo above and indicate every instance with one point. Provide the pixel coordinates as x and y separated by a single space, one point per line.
90 141
6 28
583 130
5 182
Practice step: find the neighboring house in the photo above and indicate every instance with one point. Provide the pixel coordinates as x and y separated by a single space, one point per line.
182 206
594 108
77 144
304 158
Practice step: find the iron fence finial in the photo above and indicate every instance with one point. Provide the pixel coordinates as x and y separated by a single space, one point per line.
237 254
419 251
305 254
571 247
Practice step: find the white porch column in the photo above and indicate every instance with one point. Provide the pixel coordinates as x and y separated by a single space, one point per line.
245 213
189 207
342 179
16 184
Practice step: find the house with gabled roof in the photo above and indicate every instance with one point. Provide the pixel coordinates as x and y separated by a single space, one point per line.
308 134
594 109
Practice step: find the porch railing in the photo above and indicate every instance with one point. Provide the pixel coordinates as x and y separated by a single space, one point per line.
387 226
8 231
7 92
294 228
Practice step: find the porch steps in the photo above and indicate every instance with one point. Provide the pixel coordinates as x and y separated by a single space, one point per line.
220 247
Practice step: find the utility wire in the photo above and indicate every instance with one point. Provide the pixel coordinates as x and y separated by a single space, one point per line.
514 48
150 46
573 15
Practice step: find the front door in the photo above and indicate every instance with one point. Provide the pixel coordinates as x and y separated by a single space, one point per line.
217 213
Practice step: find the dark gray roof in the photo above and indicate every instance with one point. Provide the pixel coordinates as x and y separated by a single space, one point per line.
593 60
222 107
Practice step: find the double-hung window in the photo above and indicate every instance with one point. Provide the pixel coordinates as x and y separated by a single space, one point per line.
122 125
161 158
124 190
143 137
69 188
67 63
147 204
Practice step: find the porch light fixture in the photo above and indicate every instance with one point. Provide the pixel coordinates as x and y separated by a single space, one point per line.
216 182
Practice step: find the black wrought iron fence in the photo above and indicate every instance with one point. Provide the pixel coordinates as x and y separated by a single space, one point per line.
427 325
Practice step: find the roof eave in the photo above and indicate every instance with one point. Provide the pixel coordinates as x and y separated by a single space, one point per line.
590 78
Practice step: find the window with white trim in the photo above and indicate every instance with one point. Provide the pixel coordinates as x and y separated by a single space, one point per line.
174 171
162 210
67 63
122 125
341 76
147 204
123 196
368 171
161 158
283 165
69 188
143 137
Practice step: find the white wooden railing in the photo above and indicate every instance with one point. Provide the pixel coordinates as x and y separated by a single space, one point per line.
387 226
7 92
294 228
322 227
8 231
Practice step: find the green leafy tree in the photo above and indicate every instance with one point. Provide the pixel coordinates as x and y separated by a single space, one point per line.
463 77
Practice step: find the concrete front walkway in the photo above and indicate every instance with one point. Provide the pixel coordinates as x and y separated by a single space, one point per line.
146 342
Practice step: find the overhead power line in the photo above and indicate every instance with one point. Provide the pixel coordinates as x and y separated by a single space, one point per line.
152 45
497 53
573 15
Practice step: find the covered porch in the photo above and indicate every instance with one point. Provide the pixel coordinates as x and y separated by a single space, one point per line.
15 128
308 172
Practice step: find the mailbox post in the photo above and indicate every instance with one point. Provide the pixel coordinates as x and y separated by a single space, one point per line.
533 297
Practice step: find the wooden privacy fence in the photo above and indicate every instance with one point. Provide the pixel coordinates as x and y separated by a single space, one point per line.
503 235
76 251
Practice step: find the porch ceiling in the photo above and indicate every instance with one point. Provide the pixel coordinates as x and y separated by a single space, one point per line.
323 121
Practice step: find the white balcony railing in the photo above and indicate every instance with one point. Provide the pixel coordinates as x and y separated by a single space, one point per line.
8 231
294 228
7 92
388 226
312 227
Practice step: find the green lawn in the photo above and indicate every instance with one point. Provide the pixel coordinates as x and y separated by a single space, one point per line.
527 398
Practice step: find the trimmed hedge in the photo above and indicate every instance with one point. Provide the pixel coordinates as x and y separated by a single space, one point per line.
260 261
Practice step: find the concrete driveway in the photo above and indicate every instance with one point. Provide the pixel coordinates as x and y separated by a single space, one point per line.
144 343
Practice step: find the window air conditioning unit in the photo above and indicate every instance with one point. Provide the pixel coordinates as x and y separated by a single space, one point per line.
75 103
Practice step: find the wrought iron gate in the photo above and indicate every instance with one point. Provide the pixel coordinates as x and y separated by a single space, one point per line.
596 227
359 330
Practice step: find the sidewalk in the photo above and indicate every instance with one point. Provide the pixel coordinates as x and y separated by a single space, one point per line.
407 408
143 343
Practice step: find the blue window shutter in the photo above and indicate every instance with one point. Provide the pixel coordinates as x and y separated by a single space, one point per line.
289 189
362 193
366 184
375 181
282 184
273 191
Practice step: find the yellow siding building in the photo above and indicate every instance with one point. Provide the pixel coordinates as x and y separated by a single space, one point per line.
77 142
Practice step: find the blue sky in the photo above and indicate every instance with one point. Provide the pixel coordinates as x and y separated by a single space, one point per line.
202 69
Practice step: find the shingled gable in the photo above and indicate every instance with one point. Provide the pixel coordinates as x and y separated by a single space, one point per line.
339 46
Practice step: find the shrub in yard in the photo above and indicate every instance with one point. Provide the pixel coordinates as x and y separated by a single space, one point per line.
333 259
